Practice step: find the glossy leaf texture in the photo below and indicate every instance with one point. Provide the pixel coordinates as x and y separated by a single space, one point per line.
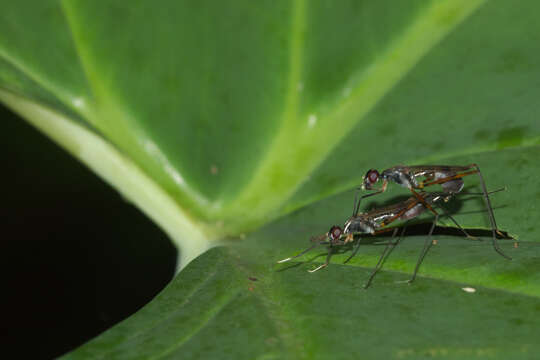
467 302
263 106
216 118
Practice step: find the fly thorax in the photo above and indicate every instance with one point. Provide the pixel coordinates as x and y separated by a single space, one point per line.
358 224
400 176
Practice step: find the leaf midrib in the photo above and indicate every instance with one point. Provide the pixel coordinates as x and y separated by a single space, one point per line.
390 70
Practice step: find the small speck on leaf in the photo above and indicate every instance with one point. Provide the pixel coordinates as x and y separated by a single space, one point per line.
469 290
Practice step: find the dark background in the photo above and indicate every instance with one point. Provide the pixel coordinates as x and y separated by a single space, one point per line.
76 257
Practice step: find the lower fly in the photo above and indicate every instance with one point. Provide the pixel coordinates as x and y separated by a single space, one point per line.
376 221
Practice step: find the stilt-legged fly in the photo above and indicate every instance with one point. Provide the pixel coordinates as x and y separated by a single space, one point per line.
449 177
376 221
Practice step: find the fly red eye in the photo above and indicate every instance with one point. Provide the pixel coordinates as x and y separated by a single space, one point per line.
372 175
335 232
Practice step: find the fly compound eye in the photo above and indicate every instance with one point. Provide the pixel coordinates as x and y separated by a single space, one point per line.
370 178
335 232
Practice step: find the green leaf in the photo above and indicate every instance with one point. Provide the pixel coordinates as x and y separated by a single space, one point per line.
217 118
249 307
208 99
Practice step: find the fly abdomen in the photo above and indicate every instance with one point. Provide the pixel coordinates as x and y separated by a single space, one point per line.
452 186
413 212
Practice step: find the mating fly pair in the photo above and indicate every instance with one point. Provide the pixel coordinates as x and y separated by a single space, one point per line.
449 177
376 221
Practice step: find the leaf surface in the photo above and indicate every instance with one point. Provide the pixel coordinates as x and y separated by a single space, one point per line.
225 121
250 307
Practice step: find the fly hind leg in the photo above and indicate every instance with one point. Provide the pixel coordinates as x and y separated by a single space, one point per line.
475 170
491 216
427 245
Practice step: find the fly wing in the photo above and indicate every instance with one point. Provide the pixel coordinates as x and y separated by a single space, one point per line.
425 170
435 196
390 210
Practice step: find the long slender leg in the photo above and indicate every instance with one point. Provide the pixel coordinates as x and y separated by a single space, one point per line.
410 206
482 194
358 244
305 251
427 245
423 201
491 216
383 256
354 251
446 213
327 261
354 212
454 220
356 208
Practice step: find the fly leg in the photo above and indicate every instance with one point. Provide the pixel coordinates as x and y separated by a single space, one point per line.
327 261
354 251
358 243
317 240
494 229
356 207
427 245
387 250
491 216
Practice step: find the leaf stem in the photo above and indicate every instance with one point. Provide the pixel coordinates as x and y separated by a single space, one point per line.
192 238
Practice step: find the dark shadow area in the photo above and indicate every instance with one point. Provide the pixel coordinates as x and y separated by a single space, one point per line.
76 257
415 229
423 229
